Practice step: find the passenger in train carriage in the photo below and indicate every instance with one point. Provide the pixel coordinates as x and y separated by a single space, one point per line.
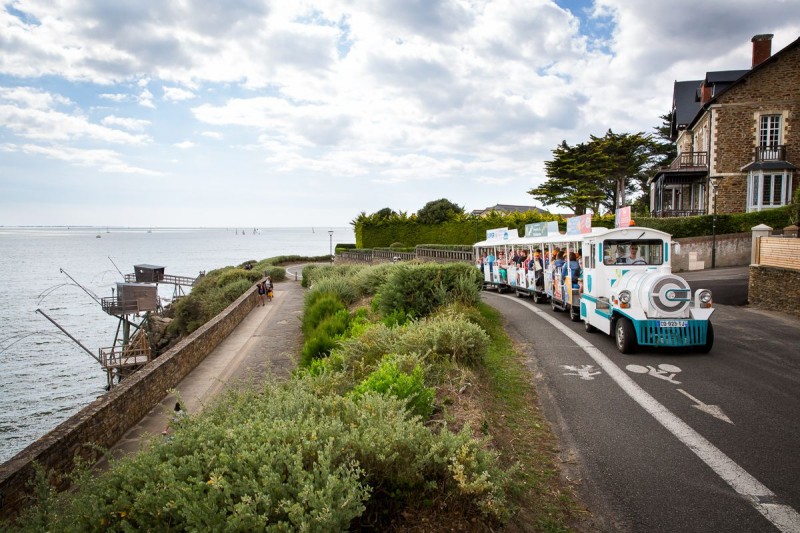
502 265
573 269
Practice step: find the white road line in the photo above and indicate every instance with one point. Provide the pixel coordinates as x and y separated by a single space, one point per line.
784 517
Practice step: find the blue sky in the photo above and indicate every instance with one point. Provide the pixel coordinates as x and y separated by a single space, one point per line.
305 113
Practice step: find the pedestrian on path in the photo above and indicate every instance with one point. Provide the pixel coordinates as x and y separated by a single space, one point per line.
262 292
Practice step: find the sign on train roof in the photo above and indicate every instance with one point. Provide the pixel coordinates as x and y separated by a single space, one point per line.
501 234
579 225
622 217
541 229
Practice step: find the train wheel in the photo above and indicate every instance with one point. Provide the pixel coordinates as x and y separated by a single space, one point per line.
588 327
574 313
709 340
553 304
537 297
520 294
625 335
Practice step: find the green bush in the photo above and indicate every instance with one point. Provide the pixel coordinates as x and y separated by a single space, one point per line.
317 346
321 307
341 286
452 338
416 290
275 273
235 274
285 459
409 387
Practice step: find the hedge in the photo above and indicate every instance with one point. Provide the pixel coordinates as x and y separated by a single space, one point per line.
468 230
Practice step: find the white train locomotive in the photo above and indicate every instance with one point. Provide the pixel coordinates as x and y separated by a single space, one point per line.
620 283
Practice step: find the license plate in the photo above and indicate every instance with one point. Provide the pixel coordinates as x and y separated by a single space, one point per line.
672 323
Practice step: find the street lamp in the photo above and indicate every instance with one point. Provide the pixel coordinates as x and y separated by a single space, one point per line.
330 234
714 186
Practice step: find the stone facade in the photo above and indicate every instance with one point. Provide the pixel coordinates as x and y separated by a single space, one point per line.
776 289
105 421
773 89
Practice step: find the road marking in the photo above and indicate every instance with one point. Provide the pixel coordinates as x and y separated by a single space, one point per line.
584 371
664 371
713 410
784 517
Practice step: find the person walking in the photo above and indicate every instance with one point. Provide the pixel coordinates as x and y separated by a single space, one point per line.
262 292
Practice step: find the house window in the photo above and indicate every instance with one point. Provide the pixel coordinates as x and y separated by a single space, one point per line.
770 131
768 189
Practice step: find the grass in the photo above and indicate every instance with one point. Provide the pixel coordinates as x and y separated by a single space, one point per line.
523 436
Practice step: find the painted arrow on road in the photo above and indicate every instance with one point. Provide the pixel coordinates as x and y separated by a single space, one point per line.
713 410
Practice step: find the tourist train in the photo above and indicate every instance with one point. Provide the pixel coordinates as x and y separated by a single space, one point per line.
618 281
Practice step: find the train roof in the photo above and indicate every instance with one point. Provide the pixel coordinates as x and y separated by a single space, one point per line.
632 232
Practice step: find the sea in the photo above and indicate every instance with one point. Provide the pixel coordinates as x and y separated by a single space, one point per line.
45 377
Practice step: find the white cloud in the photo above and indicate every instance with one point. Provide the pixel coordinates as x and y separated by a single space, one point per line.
130 124
184 145
176 94
32 97
212 134
104 160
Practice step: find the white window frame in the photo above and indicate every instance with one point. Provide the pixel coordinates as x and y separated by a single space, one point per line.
769 130
755 189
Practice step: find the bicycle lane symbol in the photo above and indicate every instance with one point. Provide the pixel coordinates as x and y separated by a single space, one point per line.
664 371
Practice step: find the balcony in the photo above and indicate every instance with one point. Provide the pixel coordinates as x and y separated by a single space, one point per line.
770 153
690 160
667 213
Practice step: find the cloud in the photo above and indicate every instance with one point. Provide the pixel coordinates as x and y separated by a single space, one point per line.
104 160
130 124
32 97
176 94
184 145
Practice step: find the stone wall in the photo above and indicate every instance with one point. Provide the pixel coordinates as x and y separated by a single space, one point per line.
773 89
105 421
733 249
776 289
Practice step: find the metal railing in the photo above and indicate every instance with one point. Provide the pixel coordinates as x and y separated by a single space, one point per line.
667 213
770 153
435 254
172 280
114 306
690 160
124 356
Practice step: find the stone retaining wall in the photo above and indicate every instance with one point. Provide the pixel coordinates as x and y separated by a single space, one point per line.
776 289
104 421
733 249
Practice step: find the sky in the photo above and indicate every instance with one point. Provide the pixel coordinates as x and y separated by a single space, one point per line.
260 113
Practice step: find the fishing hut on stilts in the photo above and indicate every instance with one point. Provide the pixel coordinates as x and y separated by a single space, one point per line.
136 298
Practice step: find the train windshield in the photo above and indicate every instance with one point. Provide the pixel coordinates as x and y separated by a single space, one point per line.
636 252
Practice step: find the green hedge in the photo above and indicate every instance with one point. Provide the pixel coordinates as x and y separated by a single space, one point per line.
468 231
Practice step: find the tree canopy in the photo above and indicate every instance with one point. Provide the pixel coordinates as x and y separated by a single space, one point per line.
599 174
437 211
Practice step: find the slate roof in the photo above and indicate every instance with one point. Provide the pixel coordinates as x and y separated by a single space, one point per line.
685 104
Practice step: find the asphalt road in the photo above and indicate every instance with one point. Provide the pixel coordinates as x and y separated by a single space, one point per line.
728 285
668 440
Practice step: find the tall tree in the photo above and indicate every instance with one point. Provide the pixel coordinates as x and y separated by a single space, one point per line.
624 158
573 181
437 211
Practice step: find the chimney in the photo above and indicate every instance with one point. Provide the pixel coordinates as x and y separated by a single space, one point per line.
705 93
762 48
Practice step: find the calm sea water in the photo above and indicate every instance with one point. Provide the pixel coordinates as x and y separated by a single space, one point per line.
45 377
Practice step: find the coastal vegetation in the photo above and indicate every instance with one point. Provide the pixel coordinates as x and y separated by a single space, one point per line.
415 413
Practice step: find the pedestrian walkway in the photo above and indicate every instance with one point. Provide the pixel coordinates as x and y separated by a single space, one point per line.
263 344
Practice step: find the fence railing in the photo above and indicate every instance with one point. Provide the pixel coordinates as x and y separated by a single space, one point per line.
770 153
690 160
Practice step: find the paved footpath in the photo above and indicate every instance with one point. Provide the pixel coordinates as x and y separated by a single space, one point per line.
263 344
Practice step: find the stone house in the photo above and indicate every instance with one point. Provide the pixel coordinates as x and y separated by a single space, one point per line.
738 138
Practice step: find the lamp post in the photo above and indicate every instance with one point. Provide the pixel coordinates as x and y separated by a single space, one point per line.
330 235
714 186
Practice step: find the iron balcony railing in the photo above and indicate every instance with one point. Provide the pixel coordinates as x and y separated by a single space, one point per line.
690 160
770 153
666 213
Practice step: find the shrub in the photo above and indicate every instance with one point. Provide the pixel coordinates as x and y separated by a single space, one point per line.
323 306
275 273
417 290
451 337
235 274
369 279
389 379
316 346
342 287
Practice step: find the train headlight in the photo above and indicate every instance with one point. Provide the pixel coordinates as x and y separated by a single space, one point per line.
625 299
703 298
